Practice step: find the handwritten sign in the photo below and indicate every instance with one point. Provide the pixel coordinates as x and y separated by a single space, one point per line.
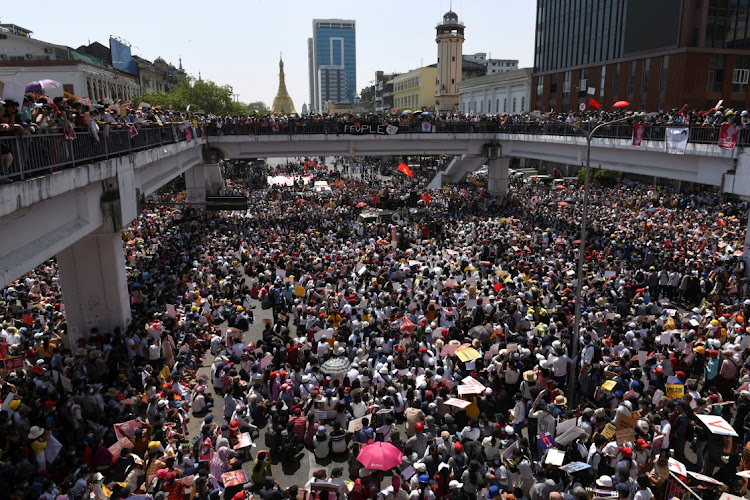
675 391
458 403
356 424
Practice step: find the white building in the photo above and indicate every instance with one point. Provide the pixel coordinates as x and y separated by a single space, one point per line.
493 65
78 78
508 92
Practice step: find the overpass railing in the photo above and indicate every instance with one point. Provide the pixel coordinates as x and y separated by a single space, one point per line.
698 134
43 153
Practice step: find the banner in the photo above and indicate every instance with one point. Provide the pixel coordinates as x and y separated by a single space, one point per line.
366 129
728 135
188 135
638 130
675 140
13 363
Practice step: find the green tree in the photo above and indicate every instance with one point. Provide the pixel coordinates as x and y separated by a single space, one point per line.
203 95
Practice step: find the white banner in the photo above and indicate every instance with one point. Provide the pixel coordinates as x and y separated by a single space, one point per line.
675 140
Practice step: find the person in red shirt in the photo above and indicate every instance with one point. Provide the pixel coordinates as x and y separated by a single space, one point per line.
174 489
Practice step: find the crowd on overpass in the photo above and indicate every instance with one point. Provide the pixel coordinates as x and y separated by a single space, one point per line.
442 338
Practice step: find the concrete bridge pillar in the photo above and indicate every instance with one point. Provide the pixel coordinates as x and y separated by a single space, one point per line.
202 180
94 285
497 176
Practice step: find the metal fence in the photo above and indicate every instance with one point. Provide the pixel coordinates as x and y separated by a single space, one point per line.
44 153
698 134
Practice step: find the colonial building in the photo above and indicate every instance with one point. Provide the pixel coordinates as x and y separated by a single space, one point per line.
508 92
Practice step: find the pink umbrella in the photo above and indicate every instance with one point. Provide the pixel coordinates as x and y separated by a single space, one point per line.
407 325
380 456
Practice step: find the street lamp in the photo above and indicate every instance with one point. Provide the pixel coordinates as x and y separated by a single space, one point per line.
588 135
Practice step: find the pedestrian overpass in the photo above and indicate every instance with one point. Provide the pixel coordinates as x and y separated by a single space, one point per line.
72 199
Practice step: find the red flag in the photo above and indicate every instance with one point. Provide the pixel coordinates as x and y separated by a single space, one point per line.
28 319
638 131
426 197
404 169
497 287
594 104
720 221
728 135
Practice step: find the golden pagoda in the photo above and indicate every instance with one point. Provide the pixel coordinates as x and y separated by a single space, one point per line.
282 103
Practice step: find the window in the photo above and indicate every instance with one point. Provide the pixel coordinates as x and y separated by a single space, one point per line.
644 76
505 105
601 81
716 73
523 104
566 84
741 74
539 86
497 106
616 82
664 74
514 105
481 107
583 83
631 79
489 106
553 85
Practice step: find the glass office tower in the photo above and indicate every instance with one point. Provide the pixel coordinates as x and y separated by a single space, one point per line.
332 54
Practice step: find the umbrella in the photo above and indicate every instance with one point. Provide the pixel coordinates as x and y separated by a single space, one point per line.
407 325
560 186
424 113
406 112
380 456
481 332
738 253
361 204
563 203
417 113
38 85
335 366
621 104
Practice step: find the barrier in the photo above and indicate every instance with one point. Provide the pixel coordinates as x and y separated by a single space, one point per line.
43 153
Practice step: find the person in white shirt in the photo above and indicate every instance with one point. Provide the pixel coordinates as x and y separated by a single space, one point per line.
519 414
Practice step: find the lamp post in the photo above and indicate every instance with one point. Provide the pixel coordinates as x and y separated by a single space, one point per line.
588 135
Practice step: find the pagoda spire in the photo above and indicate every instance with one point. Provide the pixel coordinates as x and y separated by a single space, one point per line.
282 103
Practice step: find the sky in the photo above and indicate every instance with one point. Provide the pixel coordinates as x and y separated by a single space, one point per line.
238 42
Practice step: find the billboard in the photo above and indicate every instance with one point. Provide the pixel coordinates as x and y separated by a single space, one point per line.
121 57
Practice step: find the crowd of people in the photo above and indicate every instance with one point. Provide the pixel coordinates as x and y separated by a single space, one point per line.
441 331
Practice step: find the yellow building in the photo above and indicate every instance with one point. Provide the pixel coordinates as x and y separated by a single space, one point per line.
415 90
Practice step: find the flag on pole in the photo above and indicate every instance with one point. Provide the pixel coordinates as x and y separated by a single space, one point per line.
404 169
426 197
594 104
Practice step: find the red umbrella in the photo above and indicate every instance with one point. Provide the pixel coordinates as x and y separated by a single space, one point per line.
563 203
560 186
361 204
380 456
621 104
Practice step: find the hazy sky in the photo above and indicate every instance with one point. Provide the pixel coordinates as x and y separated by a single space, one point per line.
238 42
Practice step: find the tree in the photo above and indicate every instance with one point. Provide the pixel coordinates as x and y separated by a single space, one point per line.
200 95
257 106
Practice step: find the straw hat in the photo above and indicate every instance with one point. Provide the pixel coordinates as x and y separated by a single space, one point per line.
529 376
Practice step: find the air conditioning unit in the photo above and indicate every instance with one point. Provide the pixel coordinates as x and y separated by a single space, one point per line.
29 56
47 50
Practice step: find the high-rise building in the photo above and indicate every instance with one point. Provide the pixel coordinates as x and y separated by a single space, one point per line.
450 40
332 62
655 55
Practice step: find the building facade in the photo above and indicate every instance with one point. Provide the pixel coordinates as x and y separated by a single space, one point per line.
332 49
508 92
415 89
492 65
79 78
655 55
